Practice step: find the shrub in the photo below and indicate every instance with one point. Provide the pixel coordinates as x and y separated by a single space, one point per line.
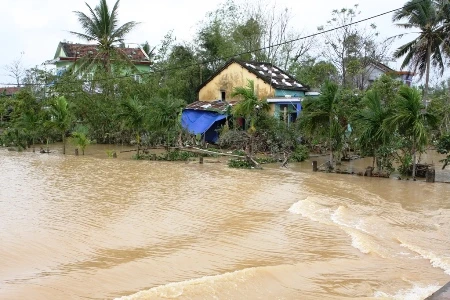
300 153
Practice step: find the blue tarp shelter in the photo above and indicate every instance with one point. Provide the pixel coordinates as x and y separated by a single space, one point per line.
203 122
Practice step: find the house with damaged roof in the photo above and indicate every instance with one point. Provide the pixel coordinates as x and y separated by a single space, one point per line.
283 93
67 54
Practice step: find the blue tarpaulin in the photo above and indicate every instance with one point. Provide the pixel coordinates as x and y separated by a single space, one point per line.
202 122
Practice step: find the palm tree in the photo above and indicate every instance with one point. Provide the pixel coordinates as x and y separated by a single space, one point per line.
410 119
321 116
425 50
249 106
80 138
370 120
30 122
134 117
165 116
60 118
102 27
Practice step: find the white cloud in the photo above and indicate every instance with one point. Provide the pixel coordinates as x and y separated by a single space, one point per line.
36 26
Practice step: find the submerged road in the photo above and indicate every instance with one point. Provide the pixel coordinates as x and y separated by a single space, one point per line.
442 294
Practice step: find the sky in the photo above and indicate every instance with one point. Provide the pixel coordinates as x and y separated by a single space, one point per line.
32 29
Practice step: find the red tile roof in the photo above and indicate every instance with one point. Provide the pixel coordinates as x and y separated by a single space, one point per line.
79 50
9 91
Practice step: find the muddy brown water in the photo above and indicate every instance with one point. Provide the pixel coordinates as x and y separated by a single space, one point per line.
97 228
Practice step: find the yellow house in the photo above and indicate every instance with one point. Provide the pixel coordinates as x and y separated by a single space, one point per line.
282 91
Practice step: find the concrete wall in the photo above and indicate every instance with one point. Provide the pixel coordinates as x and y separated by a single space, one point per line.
282 93
233 76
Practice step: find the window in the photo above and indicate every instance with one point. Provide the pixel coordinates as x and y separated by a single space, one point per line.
222 95
286 113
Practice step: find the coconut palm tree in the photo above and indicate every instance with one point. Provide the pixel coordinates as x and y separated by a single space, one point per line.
249 105
134 117
425 50
370 120
321 116
100 25
410 119
60 118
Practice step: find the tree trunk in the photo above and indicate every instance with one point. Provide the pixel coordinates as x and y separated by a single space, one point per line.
331 147
138 143
414 159
64 143
427 76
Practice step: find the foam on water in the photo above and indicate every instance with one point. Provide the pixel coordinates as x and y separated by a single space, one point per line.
177 289
435 260
342 218
417 292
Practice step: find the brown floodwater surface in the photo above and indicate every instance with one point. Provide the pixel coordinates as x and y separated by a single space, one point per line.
89 227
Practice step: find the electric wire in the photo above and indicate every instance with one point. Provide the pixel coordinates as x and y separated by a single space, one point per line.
153 72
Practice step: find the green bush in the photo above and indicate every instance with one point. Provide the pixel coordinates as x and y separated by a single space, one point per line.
300 154
239 164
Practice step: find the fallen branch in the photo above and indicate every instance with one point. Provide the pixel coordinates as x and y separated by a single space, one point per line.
196 150
285 161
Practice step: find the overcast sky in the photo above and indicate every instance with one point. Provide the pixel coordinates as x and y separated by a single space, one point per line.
35 27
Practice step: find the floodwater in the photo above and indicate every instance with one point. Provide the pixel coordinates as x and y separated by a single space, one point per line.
97 228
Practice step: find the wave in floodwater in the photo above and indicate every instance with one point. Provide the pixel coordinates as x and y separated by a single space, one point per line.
417 292
354 227
363 237
207 285
435 260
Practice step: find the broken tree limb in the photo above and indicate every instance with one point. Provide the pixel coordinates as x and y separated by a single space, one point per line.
286 159
197 150
247 157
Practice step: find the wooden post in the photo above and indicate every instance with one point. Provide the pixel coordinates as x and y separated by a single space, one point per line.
114 154
431 174
369 172
201 159
76 151
153 156
314 164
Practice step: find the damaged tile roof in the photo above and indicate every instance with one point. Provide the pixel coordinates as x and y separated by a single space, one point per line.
217 105
269 73
9 91
80 50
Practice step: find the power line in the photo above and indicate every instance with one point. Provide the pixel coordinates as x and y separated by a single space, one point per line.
234 55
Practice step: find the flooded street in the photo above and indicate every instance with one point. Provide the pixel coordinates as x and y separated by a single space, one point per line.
97 228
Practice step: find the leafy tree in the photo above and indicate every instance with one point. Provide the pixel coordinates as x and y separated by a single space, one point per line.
440 107
410 119
60 118
443 147
351 48
386 87
322 116
425 50
314 73
102 27
165 118
134 116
